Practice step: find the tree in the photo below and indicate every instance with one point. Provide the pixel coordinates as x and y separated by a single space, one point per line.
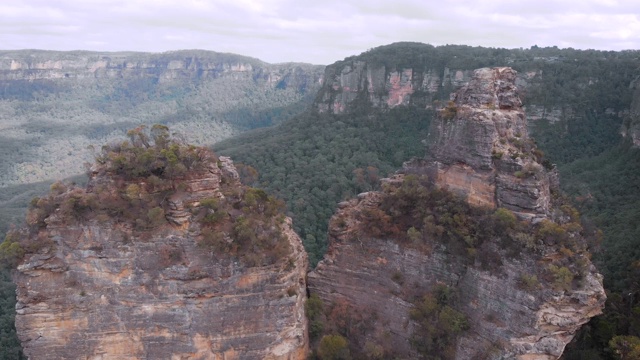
334 347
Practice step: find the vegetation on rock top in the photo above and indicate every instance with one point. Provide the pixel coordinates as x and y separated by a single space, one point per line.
131 183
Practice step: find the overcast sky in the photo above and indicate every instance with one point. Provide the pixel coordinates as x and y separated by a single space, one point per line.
319 32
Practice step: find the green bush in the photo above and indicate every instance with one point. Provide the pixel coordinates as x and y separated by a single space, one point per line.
528 282
334 347
439 324
562 277
11 252
314 309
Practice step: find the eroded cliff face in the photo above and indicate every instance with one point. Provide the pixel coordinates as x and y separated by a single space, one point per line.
51 65
102 288
383 87
479 147
507 279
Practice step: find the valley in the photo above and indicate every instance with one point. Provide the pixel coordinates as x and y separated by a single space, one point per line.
320 136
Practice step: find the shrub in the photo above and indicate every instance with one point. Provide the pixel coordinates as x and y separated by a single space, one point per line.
551 233
626 347
414 235
373 351
156 216
169 255
314 309
439 324
398 277
528 282
11 252
504 218
562 277
450 111
334 347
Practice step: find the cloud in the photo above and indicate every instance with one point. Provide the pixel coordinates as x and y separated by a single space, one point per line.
317 32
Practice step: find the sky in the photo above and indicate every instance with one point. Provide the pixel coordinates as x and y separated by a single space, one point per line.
318 32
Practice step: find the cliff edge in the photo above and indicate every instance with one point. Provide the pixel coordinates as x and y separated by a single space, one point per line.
469 253
163 255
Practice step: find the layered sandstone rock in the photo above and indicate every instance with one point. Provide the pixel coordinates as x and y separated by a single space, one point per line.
479 147
386 87
165 67
383 87
102 290
382 276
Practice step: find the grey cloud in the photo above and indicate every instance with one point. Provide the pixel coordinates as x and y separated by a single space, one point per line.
318 32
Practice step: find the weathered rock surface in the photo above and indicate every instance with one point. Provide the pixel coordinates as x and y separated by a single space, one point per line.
382 276
187 64
506 321
103 291
479 147
384 88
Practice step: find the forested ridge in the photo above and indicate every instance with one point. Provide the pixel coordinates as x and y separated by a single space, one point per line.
589 92
313 161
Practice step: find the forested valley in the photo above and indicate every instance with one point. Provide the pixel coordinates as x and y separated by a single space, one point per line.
315 160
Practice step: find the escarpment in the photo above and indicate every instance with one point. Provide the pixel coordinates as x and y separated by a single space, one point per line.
164 255
469 253
33 65
349 82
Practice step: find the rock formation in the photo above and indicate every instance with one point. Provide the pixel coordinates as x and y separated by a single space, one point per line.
383 87
479 147
509 281
165 67
95 285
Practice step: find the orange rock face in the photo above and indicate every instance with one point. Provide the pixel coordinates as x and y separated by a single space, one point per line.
103 291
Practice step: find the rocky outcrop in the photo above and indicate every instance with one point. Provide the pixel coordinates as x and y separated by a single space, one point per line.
514 305
479 147
100 289
382 277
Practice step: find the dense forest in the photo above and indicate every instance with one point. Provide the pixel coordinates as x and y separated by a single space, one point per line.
313 161
321 159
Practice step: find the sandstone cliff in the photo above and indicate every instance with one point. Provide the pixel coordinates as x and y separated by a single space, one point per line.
210 272
517 284
187 64
55 104
382 87
479 147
